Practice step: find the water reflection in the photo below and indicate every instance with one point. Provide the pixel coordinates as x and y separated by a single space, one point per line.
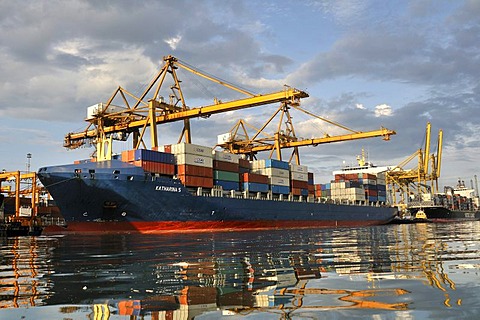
404 269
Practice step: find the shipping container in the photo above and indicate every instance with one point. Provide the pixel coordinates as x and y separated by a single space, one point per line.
244 163
165 148
270 163
225 156
225 166
255 187
299 184
276 189
298 168
299 176
156 167
193 181
226 176
227 185
279 181
152 155
273 172
194 160
310 178
255 178
189 170
188 148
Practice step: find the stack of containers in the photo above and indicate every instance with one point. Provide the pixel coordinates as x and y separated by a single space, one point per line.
244 166
194 164
277 172
299 180
323 190
151 161
225 170
381 187
349 190
254 182
370 185
311 186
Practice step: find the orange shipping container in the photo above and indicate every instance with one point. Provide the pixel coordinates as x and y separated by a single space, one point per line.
194 181
299 184
128 155
190 170
156 167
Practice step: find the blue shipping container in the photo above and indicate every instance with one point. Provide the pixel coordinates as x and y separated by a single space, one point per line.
154 156
227 185
272 163
280 189
255 187
381 187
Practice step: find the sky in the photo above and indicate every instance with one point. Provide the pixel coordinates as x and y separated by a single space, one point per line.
365 64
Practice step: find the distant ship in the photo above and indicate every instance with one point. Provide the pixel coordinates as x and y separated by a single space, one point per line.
460 203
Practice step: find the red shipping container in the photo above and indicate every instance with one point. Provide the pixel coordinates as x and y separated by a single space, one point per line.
128 155
194 181
190 170
243 163
254 177
296 191
311 188
225 166
299 184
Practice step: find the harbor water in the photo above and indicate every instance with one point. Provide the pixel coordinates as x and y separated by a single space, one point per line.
414 271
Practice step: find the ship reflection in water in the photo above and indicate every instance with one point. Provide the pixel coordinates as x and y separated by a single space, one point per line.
412 271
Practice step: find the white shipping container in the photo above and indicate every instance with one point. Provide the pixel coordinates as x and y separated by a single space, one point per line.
381 175
381 182
340 185
183 148
278 181
369 181
226 156
300 176
222 138
299 168
194 160
273 172
97 109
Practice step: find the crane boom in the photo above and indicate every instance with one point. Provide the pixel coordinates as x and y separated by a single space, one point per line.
386 133
288 95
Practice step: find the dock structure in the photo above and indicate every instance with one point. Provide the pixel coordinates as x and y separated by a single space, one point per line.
24 219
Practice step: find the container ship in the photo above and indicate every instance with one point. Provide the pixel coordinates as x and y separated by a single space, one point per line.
191 187
197 190
456 203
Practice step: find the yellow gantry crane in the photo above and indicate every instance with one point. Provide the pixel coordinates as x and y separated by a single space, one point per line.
238 140
405 182
19 177
125 114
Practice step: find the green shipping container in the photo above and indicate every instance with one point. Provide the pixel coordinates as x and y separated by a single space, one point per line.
226 176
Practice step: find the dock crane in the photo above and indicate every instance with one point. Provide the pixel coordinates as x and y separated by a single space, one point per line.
239 142
415 180
125 114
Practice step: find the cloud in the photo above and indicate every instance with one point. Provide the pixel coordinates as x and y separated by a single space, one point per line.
383 110
174 41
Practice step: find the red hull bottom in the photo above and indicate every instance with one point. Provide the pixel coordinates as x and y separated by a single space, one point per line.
204 226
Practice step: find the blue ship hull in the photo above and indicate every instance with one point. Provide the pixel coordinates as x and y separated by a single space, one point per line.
116 196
